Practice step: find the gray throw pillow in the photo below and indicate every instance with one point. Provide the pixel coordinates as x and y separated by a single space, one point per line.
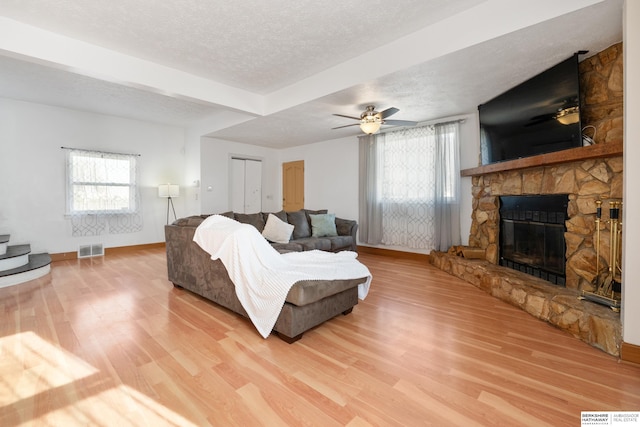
301 226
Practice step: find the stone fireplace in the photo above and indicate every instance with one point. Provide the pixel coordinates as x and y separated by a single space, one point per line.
584 180
581 176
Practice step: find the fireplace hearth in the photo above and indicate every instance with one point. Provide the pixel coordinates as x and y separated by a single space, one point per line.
532 238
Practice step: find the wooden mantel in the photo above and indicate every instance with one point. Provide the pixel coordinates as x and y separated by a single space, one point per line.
610 149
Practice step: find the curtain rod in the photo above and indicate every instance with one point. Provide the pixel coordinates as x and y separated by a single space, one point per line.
101 152
394 129
450 121
446 122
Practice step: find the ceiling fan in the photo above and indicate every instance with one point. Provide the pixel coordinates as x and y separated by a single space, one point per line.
371 120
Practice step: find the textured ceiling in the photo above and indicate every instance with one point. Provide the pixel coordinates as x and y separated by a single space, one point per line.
256 45
267 48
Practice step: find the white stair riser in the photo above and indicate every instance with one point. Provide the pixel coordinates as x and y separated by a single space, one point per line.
14 262
3 248
16 279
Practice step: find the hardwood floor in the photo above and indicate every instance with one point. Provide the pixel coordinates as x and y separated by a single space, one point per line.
110 342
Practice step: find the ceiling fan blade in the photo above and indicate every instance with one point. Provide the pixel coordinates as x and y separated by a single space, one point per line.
348 117
388 112
399 123
346 126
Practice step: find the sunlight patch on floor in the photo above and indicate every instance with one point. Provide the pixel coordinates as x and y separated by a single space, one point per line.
121 406
32 365
34 368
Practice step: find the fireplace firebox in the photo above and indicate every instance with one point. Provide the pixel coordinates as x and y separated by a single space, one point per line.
532 235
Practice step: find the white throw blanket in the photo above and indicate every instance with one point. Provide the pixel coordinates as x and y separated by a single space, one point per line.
262 276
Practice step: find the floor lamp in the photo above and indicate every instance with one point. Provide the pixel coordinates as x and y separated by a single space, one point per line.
169 191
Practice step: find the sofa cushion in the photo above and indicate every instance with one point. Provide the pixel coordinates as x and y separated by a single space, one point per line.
190 221
323 225
345 226
308 212
280 214
339 243
276 230
309 291
283 248
256 219
299 220
314 243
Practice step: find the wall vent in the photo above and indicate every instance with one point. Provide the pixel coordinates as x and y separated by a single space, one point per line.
86 251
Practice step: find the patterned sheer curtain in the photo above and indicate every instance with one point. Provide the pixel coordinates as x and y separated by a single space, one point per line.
102 193
409 188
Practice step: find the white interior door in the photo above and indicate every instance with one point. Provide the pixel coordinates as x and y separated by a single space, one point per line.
252 186
246 185
236 189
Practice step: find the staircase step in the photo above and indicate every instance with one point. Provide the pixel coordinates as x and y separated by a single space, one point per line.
4 240
15 256
38 266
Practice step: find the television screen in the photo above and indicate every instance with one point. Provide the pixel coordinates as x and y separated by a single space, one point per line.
538 116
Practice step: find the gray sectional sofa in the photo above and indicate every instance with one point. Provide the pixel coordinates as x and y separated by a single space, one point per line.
308 304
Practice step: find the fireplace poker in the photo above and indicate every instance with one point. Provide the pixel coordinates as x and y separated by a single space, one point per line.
598 217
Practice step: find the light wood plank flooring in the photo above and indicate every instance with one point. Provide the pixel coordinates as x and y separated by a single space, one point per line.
110 342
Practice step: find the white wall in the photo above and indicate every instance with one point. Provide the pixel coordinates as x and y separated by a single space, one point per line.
215 174
192 189
469 158
631 211
330 175
32 171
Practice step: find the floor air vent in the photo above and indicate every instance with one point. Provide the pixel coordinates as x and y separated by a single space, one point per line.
86 251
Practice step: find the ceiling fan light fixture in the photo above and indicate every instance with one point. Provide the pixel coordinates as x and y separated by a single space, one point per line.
370 124
568 116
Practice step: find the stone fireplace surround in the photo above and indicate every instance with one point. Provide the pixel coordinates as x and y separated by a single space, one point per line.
586 174
585 181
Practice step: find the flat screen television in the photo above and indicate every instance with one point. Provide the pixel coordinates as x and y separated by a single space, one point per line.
538 116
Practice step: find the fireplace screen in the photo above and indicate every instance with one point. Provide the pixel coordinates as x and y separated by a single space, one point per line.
532 235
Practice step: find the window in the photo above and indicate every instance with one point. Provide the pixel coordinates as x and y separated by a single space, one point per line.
101 183
410 187
102 193
407 161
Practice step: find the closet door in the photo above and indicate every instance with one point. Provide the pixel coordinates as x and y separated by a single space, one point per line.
252 186
236 187
246 185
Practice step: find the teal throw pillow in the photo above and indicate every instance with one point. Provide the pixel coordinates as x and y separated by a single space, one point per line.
323 225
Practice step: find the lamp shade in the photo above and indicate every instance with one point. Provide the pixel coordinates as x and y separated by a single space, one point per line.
168 190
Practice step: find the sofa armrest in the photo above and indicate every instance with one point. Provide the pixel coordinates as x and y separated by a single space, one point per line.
347 227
